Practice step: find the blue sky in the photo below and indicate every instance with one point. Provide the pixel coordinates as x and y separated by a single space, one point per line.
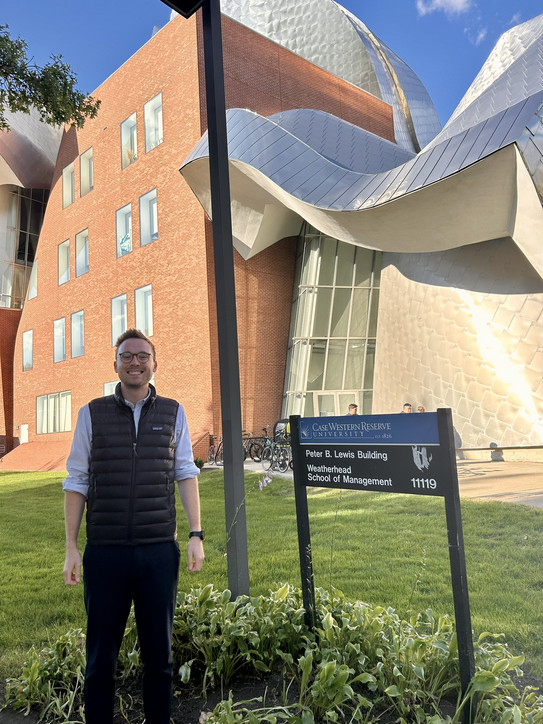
444 41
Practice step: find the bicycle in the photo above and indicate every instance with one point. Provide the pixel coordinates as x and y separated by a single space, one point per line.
276 456
258 444
252 447
213 450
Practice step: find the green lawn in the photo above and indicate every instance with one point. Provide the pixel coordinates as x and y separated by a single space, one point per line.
384 549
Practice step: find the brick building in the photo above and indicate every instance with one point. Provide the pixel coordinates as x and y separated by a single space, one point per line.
330 309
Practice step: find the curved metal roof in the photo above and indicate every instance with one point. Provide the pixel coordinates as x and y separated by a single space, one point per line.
478 179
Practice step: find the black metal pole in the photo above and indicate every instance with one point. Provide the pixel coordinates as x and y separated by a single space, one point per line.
304 535
464 634
234 482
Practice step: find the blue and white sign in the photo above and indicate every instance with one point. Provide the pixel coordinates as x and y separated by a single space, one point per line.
401 429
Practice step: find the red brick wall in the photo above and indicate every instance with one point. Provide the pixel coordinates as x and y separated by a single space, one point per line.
258 74
9 321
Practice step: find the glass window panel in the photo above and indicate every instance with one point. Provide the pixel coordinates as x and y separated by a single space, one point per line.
129 141
298 365
345 400
364 262
372 328
310 263
327 261
78 334
148 218
327 405
359 314
31 249
377 266
21 247
345 264
340 313
68 186
65 412
370 365
109 387
18 286
367 402
64 262
41 414
59 340
144 310
355 364
33 283
86 166
124 230
82 253
118 317
28 350
152 112
304 317
322 312
334 365
317 356
309 410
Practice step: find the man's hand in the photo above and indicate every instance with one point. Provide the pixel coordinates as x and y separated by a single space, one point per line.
195 554
72 567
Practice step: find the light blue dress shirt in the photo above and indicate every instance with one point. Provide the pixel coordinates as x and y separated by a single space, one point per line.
78 461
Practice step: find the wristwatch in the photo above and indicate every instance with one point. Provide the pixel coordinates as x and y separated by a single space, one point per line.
197 534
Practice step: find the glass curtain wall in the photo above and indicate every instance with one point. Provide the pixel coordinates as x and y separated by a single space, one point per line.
333 327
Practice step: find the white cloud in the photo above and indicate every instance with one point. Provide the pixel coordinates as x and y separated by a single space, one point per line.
515 20
449 7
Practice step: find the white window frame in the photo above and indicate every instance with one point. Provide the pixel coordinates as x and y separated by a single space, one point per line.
119 322
77 324
28 350
54 412
59 339
129 141
148 218
143 304
123 225
152 115
82 253
68 185
86 172
63 262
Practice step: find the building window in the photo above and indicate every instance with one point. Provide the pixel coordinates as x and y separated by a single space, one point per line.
64 262
78 334
68 186
129 141
109 387
23 217
28 350
148 218
153 122
334 327
118 317
124 230
59 340
33 282
54 412
143 298
82 253
86 172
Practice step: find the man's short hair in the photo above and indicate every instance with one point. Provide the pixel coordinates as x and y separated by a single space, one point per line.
352 406
133 334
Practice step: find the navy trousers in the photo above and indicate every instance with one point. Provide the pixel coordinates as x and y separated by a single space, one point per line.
114 577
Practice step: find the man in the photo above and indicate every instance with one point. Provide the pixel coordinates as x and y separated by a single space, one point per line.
407 408
128 450
353 409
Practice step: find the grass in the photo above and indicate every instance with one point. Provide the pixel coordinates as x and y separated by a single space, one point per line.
388 550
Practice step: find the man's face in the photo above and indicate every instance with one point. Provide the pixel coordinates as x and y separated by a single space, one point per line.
407 408
135 373
353 410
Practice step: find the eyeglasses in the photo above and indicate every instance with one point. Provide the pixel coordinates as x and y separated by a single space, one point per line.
127 357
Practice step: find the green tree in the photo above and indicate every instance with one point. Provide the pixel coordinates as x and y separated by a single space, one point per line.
50 89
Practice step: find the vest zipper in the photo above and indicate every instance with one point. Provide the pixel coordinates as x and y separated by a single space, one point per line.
132 481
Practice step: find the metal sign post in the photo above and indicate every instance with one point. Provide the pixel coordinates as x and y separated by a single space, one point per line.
234 477
384 453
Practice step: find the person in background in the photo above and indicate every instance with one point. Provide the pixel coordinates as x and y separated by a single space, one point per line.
353 409
128 450
407 408
421 408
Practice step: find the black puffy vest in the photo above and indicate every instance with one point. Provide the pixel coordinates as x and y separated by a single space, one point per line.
131 498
